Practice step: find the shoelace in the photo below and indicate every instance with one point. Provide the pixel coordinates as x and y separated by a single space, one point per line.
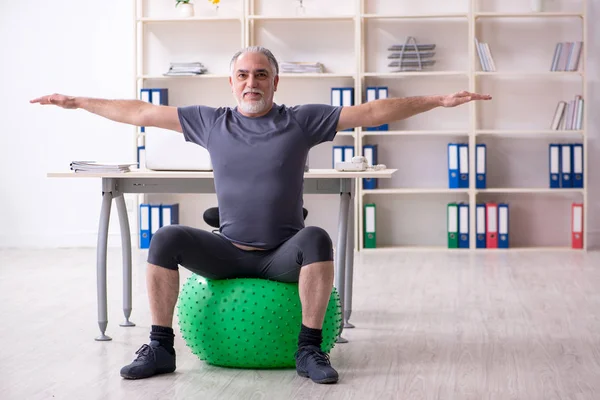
319 357
144 353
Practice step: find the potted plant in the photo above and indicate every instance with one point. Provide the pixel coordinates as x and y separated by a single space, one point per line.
186 9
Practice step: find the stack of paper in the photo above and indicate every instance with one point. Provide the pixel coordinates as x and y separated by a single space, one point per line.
301 67
95 166
185 68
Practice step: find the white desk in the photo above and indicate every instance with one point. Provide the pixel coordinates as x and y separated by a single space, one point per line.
114 185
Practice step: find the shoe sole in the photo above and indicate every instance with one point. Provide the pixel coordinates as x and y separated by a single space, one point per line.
324 380
159 372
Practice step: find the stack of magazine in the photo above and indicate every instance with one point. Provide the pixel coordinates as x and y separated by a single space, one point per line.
96 167
185 68
301 67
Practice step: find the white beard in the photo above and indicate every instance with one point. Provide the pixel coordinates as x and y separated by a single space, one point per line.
252 107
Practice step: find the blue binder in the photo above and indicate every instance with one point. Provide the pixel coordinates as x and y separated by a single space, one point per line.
578 165
463 226
337 155
566 166
370 152
452 165
169 214
159 96
554 165
463 165
382 93
145 226
348 100
480 166
371 95
503 226
480 226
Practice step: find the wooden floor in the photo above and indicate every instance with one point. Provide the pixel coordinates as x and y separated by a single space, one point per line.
441 325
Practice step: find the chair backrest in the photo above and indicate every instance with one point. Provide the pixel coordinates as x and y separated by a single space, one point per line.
211 216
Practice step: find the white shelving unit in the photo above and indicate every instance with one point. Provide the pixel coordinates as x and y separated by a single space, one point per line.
351 39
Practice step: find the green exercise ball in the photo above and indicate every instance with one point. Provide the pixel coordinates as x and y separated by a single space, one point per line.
246 322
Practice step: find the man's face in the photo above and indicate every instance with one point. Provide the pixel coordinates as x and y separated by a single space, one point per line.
253 84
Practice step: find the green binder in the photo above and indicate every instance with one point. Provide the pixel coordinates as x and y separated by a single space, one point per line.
370 240
452 225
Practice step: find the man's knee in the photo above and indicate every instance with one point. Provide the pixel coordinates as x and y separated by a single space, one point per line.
164 246
316 245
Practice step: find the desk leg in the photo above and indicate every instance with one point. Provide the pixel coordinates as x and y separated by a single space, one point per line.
340 264
349 269
101 264
126 246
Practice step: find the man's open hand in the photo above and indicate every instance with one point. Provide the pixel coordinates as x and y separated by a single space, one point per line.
56 99
456 99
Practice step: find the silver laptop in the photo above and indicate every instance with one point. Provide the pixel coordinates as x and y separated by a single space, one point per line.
167 150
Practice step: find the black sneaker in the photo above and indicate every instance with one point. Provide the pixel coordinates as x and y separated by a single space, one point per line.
313 363
152 359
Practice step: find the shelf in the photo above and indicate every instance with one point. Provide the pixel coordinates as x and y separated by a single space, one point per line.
415 16
413 73
533 132
415 133
415 191
445 248
530 74
201 76
526 15
188 19
300 18
530 190
323 75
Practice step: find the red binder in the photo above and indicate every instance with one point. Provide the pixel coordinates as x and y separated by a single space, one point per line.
492 225
577 225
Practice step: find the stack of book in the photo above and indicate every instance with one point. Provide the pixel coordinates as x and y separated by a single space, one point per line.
301 67
566 56
185 68
98 167
568 115
485 56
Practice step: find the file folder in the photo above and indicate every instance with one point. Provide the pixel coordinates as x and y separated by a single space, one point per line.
480 223
578 166
170 214
371 95
452 226
463 226
141 157
566 169
382 93
348 153
453 165
336 97
145 95
144 226
348 100
554 165
503 226
159 96
370 153
481 166
370 239
491 211
463 165
155 219
577 225
337 156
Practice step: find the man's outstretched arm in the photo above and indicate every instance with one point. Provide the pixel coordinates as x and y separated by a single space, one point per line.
133 112
384 111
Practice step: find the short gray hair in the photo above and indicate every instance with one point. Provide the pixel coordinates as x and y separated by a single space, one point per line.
256 49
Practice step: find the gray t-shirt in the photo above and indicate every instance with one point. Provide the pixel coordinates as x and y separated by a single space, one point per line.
259 165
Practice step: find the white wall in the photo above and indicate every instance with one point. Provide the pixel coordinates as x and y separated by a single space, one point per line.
47 49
